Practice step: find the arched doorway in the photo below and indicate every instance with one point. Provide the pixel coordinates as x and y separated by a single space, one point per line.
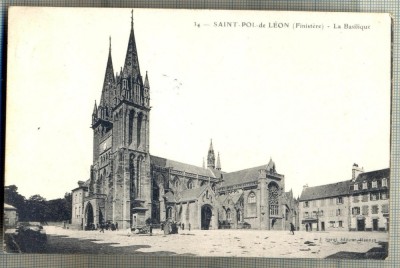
101 217
206 214
155 211
89 215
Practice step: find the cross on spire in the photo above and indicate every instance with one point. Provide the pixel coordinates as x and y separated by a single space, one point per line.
132 18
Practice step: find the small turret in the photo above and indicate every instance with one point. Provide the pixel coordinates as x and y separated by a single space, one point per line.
94 114
211 157
146 87
218 166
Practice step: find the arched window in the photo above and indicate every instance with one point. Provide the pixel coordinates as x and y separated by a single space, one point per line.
190 184
169 212
273 199
156 192
139 128
138 176
213 187
132 174
251 199
175 182
130 126
228 214
239 216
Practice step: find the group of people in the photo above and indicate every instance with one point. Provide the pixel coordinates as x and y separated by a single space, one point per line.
171 227
108 226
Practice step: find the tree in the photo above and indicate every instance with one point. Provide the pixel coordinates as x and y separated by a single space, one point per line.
12 197
38 209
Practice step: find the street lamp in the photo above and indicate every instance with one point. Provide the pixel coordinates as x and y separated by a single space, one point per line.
318 220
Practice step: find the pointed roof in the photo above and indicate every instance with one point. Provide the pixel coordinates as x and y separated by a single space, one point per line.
271 166
373 175
131 66
218 166
211 149
109 79
192 194
242 176
95 108
175 165
146 81
324 191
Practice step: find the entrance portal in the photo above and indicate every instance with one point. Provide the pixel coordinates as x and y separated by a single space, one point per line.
361 225
89 215
206 214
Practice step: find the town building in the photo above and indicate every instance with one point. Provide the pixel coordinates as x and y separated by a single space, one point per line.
369 201
10 216
78 196
358 204
128 185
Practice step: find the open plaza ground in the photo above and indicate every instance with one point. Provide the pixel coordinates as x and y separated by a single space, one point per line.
221 243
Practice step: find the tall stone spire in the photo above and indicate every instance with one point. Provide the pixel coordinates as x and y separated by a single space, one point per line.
211 157
131 66
109 81
94 114
95 109
218 166
146 91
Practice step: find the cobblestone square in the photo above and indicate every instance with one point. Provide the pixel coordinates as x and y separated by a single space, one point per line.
223 243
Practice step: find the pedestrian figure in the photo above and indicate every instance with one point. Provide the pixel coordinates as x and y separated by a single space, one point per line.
166 228
116 226
189 226
292 228
306 227
162 226
183 226
128 231
101 228
151 229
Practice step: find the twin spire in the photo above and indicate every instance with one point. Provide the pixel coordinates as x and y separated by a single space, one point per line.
211 158
128 84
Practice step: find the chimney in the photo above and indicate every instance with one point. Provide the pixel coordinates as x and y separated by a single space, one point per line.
81 183
305 186
356 170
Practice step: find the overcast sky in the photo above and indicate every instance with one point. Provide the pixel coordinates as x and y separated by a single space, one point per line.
316 101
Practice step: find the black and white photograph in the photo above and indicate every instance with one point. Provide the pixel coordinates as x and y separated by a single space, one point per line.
205 133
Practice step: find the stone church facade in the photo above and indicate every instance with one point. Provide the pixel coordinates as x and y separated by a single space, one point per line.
128 185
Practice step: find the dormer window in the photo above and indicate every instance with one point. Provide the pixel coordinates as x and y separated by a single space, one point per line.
384 182
374 184
365 185
355 187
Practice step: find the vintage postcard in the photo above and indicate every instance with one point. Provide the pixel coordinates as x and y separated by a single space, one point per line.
198 133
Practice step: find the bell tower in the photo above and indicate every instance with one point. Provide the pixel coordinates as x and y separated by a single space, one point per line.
120 174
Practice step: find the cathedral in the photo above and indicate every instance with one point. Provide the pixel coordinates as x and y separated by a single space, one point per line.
129 186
